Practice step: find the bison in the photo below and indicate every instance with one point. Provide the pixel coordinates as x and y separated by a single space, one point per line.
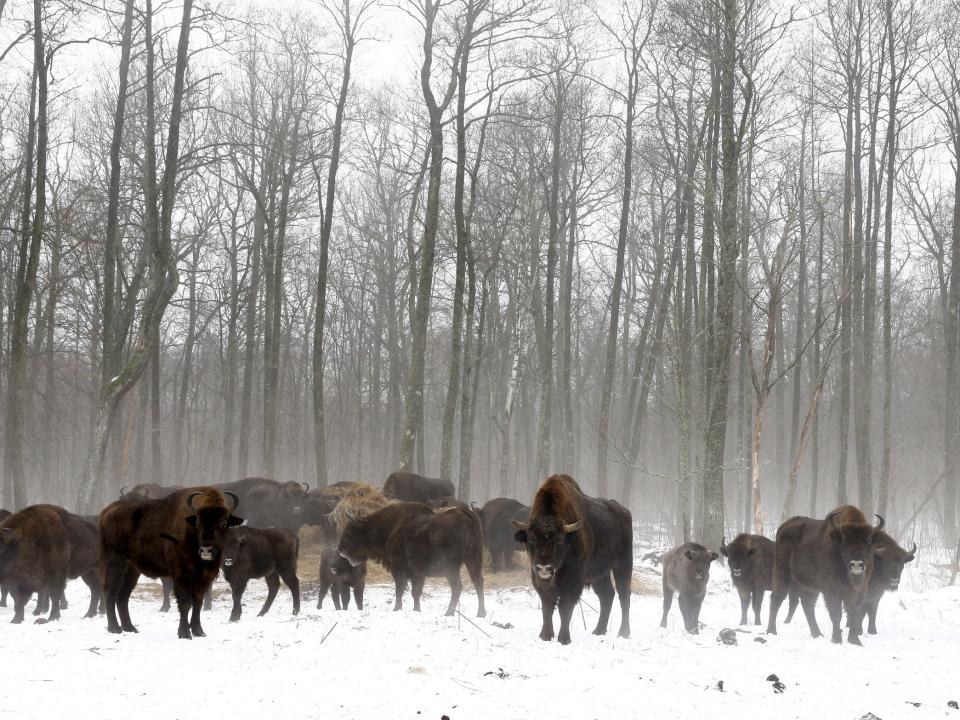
180 536
498 531
40 546
4 590
403 485
268 503
575 540
413 542
686 570
750 558
337 575
833 556
270 553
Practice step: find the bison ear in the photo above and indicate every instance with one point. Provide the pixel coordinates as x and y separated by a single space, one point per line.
713 556
520 536
234 521
689 554
751 551
8 536
191 520
520 525
880 551
835 534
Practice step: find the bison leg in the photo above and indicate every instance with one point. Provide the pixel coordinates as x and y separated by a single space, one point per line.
337 595
400 584
566 605
622 577
237 586
56 589
757 605
184 604
744 604
4 591
322 591
855 616
291 580
456 587
872 616
777 596
604 590
809 602
127 583
358 594
208 599
21 596
835 608
273 585
344 595
92 582
667 602
196 606
684 602
113 571
416 590
167 585
548 601
475 570
43 602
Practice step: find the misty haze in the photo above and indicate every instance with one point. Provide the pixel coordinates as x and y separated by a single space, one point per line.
480 358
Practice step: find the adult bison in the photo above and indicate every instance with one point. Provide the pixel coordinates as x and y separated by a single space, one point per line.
268 503
750 558
41 547
403 485
497 518
413 542
833 556
575 540
269 553
148 491
180 536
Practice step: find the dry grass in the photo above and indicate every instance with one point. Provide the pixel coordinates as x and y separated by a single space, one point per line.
357 501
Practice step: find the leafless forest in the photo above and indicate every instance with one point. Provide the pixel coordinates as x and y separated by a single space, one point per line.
702 255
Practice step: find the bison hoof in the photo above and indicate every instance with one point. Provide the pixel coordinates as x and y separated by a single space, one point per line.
563 639
115 629
546 636
871 631
625 634
448 613
234 618
184 634
164 608
40 621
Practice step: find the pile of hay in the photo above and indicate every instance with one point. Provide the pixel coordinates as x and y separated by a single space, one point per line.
357 500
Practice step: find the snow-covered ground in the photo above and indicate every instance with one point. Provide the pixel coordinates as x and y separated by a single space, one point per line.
381 664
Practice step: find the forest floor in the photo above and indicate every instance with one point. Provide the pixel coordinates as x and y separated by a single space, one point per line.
379 664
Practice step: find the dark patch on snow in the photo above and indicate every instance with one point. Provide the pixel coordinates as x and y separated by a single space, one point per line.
499 672
502 626
720 685
727 637
953 704
760 640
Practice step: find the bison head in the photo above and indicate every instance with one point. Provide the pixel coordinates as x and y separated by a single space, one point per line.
889 559
855 541
212 521
739 557
353 541
295 494
698 562
548 541
233 547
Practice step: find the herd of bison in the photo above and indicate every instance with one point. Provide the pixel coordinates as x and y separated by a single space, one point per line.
247 529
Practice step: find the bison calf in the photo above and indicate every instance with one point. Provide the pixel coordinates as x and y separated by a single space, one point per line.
270 553
337 575
686 570
750 558
413 542
497 516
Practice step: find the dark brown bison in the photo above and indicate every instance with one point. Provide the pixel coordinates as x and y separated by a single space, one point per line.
888 562
497 517
338 576
268 503
180 536
686 570
403 485
750 558
413 542
35 557
269 553
148 491
575 540
833 556
318 503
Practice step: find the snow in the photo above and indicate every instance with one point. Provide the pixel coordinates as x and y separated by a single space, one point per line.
381 664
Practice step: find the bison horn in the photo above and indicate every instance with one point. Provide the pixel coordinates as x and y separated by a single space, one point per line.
306 487
880 524
123 491
236 499
830 519
520 525
190 498
573 527
913 550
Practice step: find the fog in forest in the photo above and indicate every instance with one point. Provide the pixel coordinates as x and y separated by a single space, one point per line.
707 263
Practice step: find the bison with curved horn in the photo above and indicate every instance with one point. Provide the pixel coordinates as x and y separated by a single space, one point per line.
833 556
180 536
